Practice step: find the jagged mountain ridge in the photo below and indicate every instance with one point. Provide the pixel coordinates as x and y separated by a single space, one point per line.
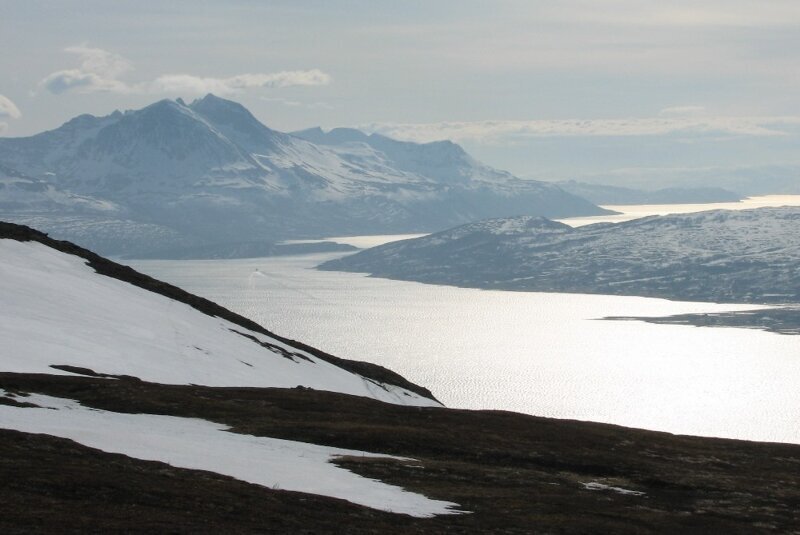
209 172
747 256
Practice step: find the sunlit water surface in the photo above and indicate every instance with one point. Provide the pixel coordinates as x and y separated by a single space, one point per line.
628 212
538 353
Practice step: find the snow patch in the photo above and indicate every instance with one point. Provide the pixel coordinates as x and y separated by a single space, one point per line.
594 485
58 311
202 445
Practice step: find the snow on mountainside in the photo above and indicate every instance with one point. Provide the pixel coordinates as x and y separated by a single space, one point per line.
724 256
68 313
443 160
20 192
66 310
211 173
203 445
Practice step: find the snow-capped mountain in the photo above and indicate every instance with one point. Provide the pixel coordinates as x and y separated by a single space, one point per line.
724 256
210 173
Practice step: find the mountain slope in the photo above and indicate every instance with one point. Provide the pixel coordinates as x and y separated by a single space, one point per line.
724 256
68 310
210 173
512 471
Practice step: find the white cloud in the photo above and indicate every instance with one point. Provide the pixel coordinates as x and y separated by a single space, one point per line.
8 108
99 61
682 111
179 83
100 71
81 82
298 104
508 131
3 127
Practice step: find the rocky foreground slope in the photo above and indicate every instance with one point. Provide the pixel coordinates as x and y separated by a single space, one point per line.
748 256
513 473
127 404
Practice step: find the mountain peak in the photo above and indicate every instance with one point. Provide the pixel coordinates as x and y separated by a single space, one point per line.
213 103
166 103
164 107
346 135
234 120
335 136
211 97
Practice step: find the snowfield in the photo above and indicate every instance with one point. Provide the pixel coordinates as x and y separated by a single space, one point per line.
202 445
57 311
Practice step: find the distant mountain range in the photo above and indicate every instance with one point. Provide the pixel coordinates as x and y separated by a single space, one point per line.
748 256
604 194
188 178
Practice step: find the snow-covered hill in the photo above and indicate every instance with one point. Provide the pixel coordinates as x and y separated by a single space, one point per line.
724 256
68 311
210 173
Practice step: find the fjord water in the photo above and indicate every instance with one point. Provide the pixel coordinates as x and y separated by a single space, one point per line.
627 212
538 353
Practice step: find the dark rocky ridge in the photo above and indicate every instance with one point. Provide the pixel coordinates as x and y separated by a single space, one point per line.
783 320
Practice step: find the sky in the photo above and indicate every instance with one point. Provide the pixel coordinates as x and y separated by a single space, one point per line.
567 89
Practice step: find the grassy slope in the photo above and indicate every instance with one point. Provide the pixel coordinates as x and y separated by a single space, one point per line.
517 473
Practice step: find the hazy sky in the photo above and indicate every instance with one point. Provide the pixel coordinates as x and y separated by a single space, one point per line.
539 87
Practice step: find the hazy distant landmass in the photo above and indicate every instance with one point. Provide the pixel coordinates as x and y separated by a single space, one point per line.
749 256
749 181
783 320
605 194
200 176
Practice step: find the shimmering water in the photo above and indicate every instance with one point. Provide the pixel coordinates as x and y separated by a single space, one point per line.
538 353
628 212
